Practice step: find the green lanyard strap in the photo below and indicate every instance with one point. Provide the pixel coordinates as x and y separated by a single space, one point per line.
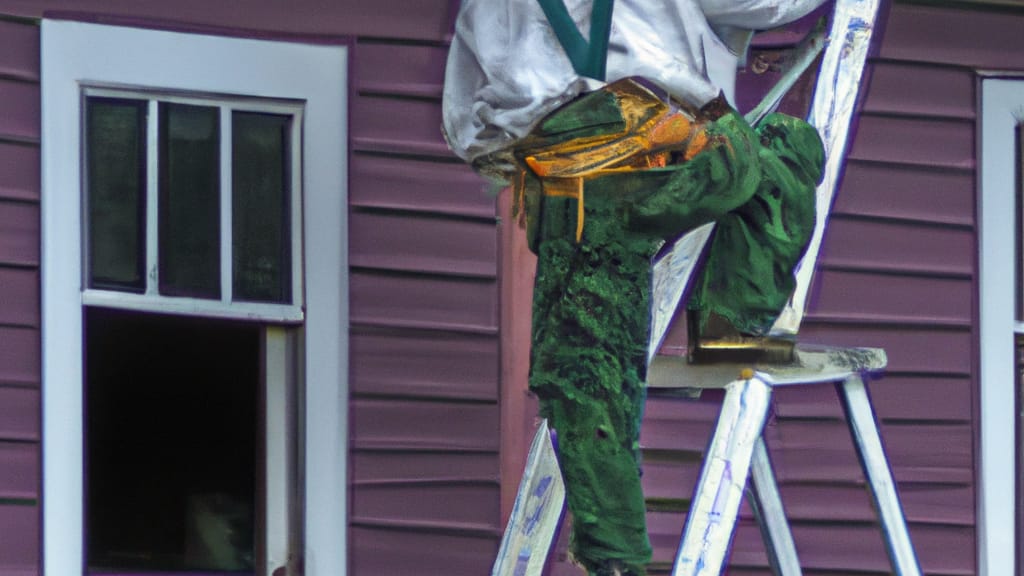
588 58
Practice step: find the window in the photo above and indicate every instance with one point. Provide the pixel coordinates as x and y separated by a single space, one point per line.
192 204
999 238
194 348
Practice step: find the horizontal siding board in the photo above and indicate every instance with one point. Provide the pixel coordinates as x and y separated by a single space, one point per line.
19 171
19 414
917 448
922 503
853 548
19 474
948 504
887 190
426 21
678 425
391 552
823 451
667 479
416 185
19 50
826 464
437 504
423 301
375 467
906 88
424 364
401 69
423 244
987 40
845 548
19 356
413 425
21 106
407 125
886 297
894 396
910 349
918 141
19 546
19 233
19 297
942 550
903 398
898 246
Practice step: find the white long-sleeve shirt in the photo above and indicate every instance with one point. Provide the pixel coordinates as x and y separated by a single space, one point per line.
506 68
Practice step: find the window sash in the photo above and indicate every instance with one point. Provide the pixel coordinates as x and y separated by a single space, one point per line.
226 306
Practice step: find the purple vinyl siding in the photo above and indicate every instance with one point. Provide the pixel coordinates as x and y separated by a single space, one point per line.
425 346
19 298
396 19
418 185
20 121
19 553
441 366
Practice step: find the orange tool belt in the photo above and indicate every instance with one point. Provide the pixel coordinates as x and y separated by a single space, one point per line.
652 134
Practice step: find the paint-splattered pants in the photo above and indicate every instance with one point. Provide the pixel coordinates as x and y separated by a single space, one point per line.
591 309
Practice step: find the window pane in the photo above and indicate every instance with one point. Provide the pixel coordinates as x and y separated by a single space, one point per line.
171 442
116 173
261 235
189 201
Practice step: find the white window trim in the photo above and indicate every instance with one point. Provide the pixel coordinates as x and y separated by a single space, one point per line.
1002 107
77 54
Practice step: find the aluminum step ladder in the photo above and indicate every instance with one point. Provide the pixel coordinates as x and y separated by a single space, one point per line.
737 452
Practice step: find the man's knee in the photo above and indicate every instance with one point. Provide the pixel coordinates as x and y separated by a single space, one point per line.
796 143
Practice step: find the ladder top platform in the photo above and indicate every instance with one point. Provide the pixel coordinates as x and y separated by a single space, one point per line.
811 365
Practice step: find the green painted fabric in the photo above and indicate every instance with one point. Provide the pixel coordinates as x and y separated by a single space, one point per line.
592 299
748 276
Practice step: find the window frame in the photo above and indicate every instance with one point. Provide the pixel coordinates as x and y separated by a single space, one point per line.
1001 111
226 306
77 54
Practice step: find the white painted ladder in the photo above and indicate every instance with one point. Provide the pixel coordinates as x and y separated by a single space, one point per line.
737 452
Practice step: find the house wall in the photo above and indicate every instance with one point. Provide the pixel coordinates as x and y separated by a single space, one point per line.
19 298
425 350
425 441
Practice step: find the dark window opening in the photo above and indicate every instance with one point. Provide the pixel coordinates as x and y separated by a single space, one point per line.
171 442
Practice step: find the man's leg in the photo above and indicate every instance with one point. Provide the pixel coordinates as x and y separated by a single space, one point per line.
591 303
748 276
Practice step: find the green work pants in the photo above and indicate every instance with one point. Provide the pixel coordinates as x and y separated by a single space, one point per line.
592 299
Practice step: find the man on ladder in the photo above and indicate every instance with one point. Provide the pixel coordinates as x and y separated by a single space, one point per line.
605 174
